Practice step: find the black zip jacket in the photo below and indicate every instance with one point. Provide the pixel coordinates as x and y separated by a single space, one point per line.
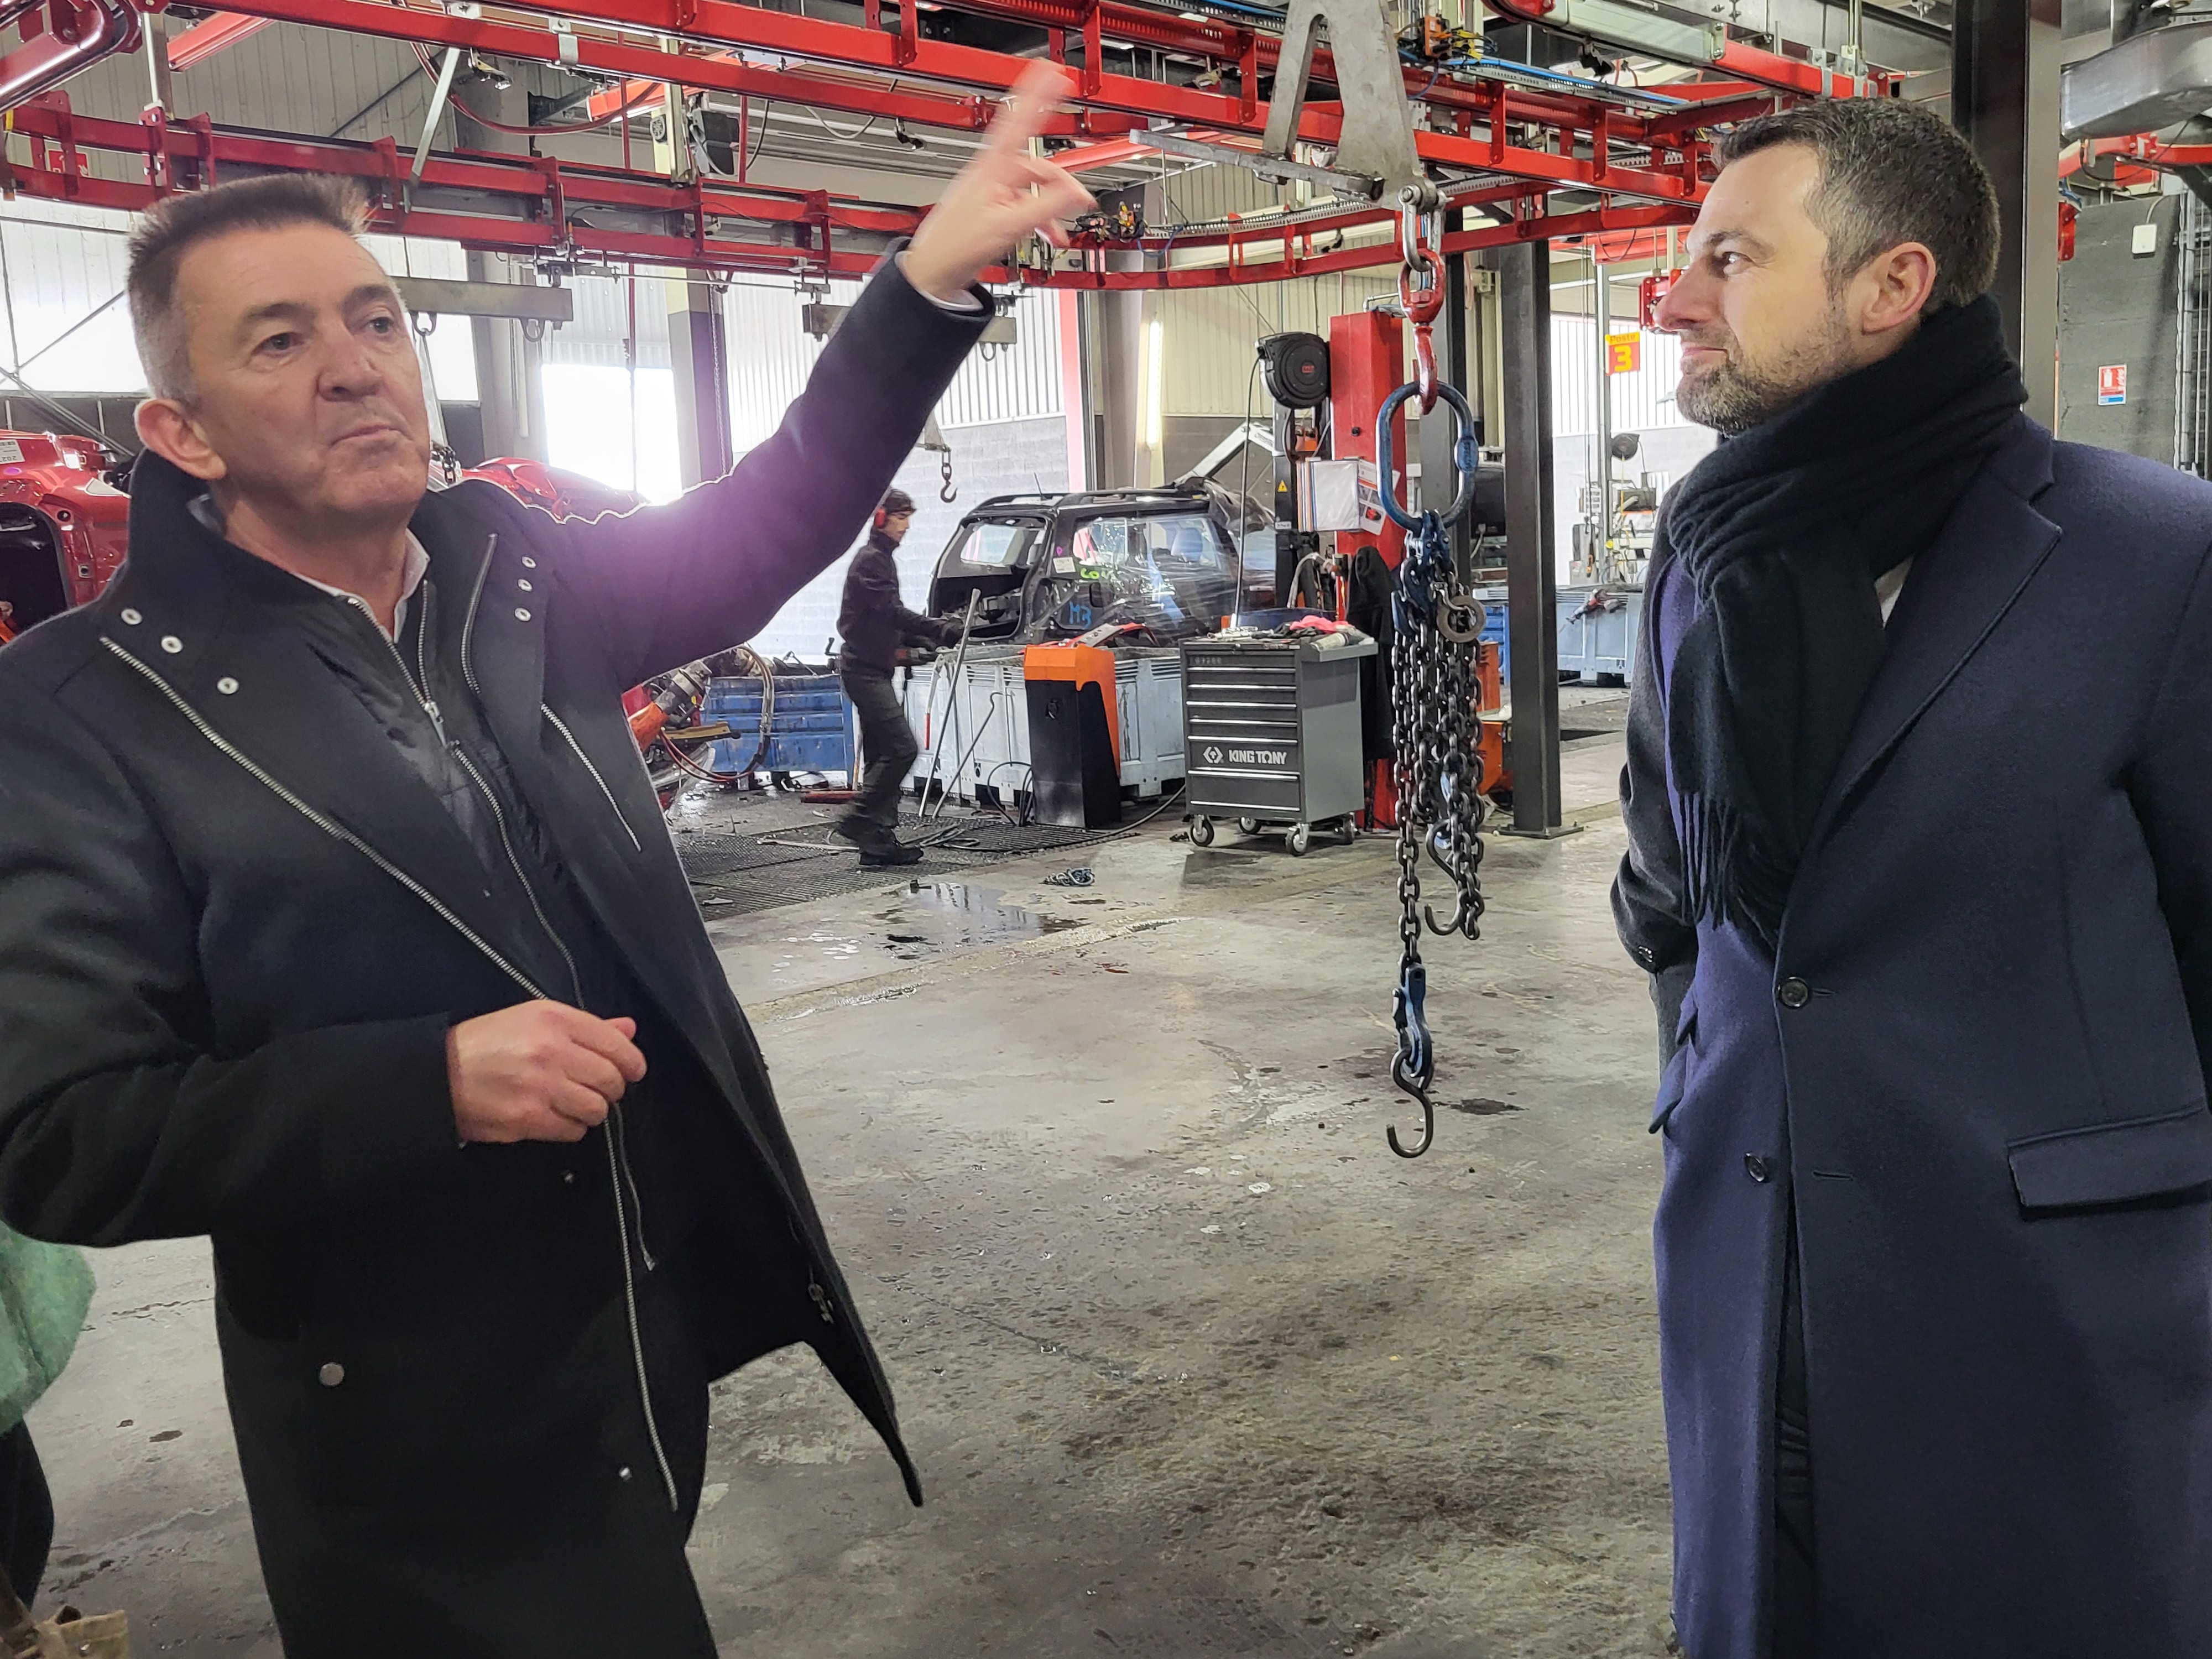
873 619
235 926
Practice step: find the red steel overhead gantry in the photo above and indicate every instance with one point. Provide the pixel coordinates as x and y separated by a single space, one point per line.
1500 148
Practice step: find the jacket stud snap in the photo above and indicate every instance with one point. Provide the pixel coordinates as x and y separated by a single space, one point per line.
1757 1168
524 587
624 1472
331 1375
568 1177
171 644
227 685
521 616
1793 992
131 618
530 564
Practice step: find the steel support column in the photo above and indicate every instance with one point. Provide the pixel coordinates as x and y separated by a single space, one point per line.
510 388
159 93
1117 382
698 350
1531 560
2004 98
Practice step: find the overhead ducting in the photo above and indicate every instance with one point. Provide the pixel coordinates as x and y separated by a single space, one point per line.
2149 81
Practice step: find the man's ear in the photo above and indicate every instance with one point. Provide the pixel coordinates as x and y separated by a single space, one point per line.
167 428
1895 287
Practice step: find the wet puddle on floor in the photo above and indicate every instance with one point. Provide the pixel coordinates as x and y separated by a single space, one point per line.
954 915
930 919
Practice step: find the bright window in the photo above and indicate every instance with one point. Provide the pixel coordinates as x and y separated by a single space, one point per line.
588 428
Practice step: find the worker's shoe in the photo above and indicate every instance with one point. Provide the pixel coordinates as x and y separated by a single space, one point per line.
879 848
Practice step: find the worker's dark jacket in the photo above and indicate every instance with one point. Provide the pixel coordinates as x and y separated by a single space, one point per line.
873 619
235 926
1978 1060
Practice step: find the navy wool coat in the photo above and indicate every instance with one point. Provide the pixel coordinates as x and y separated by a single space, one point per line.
1978 1059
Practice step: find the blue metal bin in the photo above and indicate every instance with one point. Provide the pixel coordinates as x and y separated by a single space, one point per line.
811 729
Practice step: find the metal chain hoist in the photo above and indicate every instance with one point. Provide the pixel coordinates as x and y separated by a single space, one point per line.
1437 735
1420 285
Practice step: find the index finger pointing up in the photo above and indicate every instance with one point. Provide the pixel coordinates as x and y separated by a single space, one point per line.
1028 107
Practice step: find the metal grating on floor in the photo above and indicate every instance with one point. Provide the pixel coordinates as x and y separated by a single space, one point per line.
746 853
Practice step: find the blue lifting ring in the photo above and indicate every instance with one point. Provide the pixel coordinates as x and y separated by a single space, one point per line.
1465 455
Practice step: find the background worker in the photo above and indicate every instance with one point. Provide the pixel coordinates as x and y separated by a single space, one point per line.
876 623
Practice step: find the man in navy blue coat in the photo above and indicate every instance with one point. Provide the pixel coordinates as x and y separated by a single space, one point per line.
1919 797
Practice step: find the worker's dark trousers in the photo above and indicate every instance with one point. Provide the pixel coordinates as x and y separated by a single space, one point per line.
26 1513
886 740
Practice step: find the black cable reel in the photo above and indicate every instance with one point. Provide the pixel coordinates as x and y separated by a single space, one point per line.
1297 368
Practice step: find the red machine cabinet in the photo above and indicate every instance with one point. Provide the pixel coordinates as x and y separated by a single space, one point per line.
1366 364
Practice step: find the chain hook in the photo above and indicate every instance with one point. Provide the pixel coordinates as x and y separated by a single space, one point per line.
1415 1063
1420 285
945 471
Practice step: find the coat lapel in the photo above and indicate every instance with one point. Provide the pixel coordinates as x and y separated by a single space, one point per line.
503 623
218 630
1957 592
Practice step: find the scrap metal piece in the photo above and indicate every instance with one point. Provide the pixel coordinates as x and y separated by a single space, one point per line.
1377 137
1641 30
1343 181
437 297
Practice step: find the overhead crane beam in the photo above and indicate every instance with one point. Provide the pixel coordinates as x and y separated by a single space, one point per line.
218 33
539 207
1111 104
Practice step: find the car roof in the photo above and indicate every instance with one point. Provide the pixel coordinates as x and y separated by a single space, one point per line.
1169 499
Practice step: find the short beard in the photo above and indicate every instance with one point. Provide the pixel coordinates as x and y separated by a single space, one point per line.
1735 397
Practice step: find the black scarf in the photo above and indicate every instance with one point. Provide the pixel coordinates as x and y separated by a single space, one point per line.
1782 531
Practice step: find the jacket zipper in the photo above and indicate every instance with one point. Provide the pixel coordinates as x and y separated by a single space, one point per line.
562 727
469 673
618 1170
335 830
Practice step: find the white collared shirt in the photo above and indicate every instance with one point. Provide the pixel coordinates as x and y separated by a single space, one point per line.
410 578
1887 585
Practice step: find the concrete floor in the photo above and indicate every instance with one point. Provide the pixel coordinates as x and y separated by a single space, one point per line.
1192 1365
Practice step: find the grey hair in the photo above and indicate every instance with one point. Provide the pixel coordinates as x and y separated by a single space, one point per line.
1891 173
166 234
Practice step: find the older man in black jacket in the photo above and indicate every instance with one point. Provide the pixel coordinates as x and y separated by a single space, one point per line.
336 922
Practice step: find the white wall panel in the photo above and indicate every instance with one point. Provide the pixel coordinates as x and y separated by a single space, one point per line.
771 355
599 335
59 265
1642 401
285 78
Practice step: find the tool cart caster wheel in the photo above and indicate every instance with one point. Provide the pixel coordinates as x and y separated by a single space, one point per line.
1297 838
1250 826
1201 832
1347 832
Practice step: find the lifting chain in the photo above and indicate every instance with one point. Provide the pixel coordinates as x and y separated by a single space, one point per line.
1420 285
947 492
1437 740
